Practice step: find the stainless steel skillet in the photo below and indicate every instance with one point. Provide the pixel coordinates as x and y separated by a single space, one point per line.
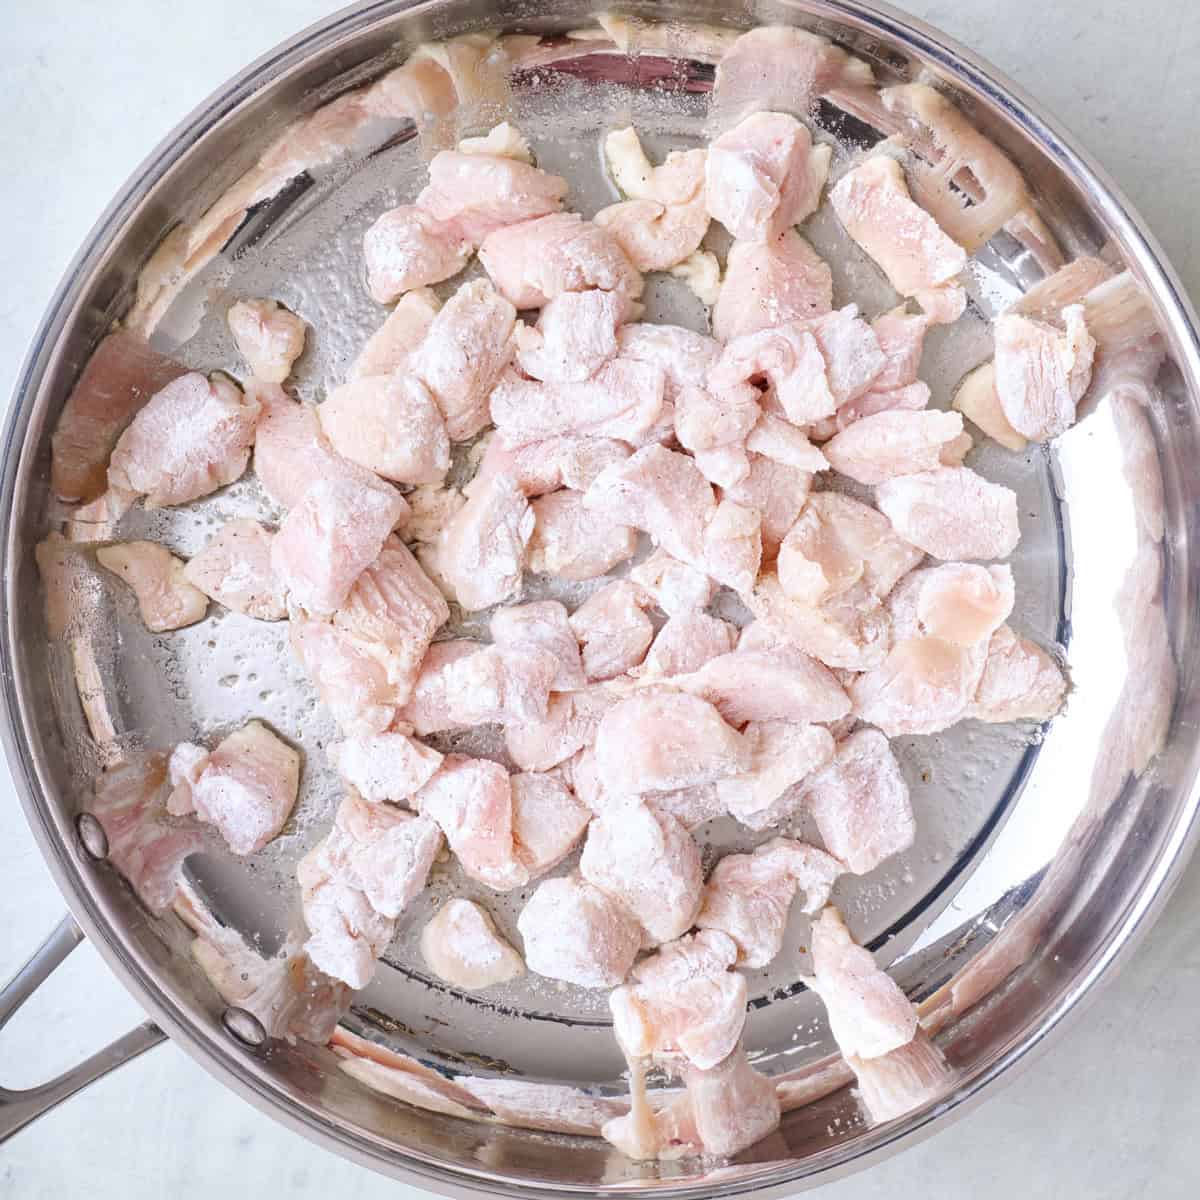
987 859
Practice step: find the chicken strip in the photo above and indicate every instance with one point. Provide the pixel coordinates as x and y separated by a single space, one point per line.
919 259
613 631
246 787
685 1002
535 261
952 513
572 541
166 598
460 944
332 535
860 803
661 741
471 800
768 284
390 425
650 863
191 438
384 766
468 345
268 337
1041 374
748 896
575 932
764 176
234 569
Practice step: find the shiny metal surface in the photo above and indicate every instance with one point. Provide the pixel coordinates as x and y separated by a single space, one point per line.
1012 832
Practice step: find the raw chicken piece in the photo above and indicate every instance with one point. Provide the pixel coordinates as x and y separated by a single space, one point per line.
397 609
888 444
764 176
535 261
122 373
868 1014
548 821
558 462
246 788
358 879
460 944
732 1106
570 724
685 643
542 625
408 247
920 261
658 742
911 398
779 67
686 1001
772 683
650 863
234 568
468 345
691 807
575 932
948 148
901 337
860 803
334 533
923 686
384 766
481 551
790 360
701 273
351 680
779 440
430 509
503 140
192 437
960 602
705 420
676 587
684 356
1041 372
851 631
768 284
664 219
471 799
781 754
390 425
576 334
1020 682
479 193
431 708
622 400
979 402
748 896
778 492
724 466
290 449
661 492
498 684
952 513
144 844
853 355
573 541
403 330
836 542
166 598
612 629
733 545
268 337
906 1078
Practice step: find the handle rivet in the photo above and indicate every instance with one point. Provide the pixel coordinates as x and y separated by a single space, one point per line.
92 836
244 1026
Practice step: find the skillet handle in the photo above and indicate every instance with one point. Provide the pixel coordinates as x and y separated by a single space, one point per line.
19 1107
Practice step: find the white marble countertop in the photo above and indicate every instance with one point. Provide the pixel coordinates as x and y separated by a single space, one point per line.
1108 1112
